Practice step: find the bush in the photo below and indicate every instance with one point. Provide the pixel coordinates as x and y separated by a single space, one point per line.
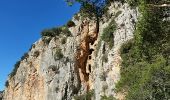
36 54
14 71
58 54
145 71
24 56
118 13
32 46
107 35
132 3
66 31
63 40
70 23
105 58
57 89
48 32
46 40
54 69
76 17
7 83
57 31
126 47
87 96
103 76
107 98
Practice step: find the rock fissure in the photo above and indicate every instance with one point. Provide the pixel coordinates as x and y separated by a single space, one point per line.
84 53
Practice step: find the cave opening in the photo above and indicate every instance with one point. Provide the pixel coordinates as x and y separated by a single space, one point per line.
89 57
90 51
89 68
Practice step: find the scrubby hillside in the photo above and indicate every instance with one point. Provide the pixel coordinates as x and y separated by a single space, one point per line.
128 57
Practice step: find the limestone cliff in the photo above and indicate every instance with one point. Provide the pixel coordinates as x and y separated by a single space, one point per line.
84 62
1 95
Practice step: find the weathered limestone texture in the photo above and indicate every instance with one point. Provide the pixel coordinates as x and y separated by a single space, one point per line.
87 62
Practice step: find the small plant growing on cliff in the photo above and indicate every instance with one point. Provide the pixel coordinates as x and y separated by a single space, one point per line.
105 58
51 32
24 56
107 35
47 32
7 83
16 66
103 76
32 46
36 54
46 40
87 96
54 69
58 54
66 31
118 13
63 40
107 98
70 23
56 89
76 17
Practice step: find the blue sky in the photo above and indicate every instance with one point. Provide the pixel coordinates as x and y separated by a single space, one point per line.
21 22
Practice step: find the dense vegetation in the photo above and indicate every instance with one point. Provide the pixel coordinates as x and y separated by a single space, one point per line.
57 31
107 35
145 72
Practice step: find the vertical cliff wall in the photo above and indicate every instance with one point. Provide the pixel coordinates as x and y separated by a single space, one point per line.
62 70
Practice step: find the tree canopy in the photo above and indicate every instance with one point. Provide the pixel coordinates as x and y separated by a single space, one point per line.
91 6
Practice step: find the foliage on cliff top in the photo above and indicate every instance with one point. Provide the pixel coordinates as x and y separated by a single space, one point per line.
145 72
107 35
14 71
56 31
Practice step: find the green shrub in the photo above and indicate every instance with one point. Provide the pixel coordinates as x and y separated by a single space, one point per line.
105 58
36 54
54 69
145 71
57 31
14 71
107 35
57 89
118 13
133 3
48 32
24 56
66 31
76 17
70 23
7 83
87 96
46 40
103 76
32 46
107 98
126 47
63 40
58 54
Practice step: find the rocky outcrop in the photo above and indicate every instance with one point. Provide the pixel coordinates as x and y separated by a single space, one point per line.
87 63
1 95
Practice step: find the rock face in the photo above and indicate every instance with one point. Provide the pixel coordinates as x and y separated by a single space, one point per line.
1 95
81 68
